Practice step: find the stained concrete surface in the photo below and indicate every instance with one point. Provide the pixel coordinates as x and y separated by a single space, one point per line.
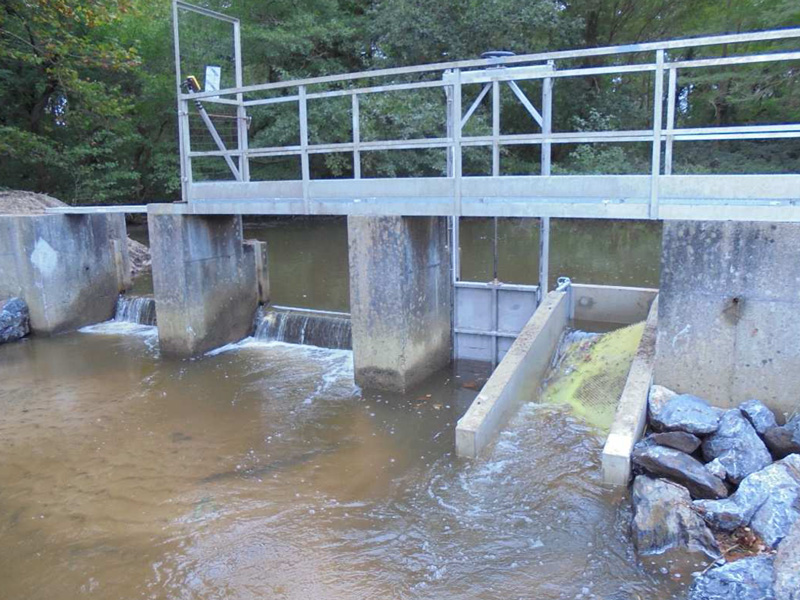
69 269
400 299
204 282
728 327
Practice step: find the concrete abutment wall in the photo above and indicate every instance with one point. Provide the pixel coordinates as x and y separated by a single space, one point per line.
205 282
69 269
400 299
728 321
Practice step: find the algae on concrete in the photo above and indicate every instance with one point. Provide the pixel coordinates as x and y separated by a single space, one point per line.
590 372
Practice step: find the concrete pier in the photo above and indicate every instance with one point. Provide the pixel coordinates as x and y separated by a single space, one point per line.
69 269
204 281
400 299
727 325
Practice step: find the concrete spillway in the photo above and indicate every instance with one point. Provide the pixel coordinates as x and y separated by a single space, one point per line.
306 327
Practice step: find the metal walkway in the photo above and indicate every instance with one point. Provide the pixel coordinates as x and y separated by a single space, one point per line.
657 195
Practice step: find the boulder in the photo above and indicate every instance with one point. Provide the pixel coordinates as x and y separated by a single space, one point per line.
768 501
659 395
680 440
783 441
664 519
787 566
686 413
14 320
679 467
737 446
746 579
717 469
759 416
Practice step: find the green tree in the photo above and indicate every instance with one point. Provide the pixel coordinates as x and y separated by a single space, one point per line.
63 115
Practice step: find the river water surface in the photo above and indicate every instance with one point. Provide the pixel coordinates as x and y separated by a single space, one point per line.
262 471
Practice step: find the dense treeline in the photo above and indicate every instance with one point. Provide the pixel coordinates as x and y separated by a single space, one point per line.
87 108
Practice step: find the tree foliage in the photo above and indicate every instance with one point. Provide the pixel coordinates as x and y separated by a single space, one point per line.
87 87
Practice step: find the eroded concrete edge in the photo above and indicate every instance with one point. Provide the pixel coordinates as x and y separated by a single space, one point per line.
516 378
631 414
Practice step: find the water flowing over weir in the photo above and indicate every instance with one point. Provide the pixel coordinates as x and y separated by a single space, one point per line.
136 309
305 327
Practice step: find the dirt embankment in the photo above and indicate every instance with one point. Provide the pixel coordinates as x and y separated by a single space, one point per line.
30 203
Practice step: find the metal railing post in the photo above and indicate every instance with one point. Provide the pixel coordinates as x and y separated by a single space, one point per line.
547 123
356 138
671 91
456 141
658 109
304 165
183 110
241 111
448 94
495 129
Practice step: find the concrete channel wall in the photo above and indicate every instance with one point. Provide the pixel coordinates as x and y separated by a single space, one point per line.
518 377
69 269
631 415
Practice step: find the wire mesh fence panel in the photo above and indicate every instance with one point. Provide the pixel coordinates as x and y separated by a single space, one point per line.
223 121
212 168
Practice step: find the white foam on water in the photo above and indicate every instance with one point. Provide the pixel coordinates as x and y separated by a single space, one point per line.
120 328
337 365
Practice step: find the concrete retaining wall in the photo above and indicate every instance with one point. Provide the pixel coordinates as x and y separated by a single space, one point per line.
69 269
204 282
400 299
728 327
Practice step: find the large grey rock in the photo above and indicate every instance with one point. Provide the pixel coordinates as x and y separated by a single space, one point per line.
680 440
664 519
14 320
768 501
759 415
737 446
657 399
787 566
686 413
745 579
717 469
783 441
679 467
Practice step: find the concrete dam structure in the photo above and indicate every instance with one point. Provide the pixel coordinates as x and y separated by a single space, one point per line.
729 269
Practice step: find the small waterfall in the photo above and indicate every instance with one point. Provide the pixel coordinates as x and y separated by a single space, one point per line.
136 309
307 327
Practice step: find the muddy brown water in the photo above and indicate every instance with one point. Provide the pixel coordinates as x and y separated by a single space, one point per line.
262 471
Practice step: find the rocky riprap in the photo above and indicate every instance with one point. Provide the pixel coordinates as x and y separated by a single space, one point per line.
725 484
14 320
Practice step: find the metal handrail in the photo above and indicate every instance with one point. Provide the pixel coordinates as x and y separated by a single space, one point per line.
495 71
714 40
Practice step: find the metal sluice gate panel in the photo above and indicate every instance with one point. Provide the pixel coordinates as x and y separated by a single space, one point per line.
489 316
